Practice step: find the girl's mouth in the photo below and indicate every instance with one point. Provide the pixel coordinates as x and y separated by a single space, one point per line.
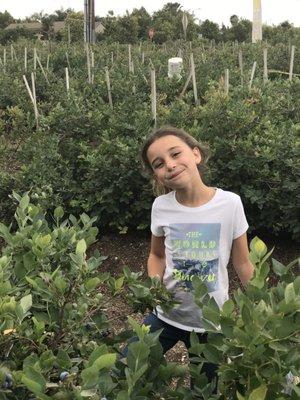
174 175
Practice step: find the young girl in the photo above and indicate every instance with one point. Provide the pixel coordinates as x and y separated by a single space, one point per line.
195 228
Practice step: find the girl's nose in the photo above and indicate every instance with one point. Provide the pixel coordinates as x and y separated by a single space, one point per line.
170 164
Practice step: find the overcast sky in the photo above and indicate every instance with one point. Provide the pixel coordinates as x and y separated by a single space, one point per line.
273 11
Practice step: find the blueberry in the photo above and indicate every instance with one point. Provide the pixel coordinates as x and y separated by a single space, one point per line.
105 333
88 326
63 376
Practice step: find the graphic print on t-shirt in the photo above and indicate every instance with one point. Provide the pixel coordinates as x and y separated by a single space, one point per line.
195 251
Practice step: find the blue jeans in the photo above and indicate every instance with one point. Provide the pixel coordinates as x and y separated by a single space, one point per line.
171 335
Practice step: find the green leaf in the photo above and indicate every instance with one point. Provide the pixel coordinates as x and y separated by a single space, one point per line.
289 293
34 380
138 353
258 247
92 283
211 314
63 359
26 303
278 268
81 247
259 393
228 308
119 283
24 203
58 212
61 284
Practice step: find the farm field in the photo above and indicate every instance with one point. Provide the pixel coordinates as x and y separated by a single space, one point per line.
75 212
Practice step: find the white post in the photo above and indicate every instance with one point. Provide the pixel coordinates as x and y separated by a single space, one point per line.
108 87
226 81
265 64
93 66
112 58
4 58
257 21
47 64
67 80
129 58
25 59
153 95
241 66
40 64
34 59
88 62
69 35
252 74
194 78
292 63
186 84
32 97
143 57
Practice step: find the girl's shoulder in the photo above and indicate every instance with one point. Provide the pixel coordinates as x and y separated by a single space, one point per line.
164 198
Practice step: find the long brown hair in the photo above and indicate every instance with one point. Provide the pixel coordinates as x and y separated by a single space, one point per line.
158 188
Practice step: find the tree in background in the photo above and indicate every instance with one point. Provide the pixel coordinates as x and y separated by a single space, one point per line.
5 19
210 30
74 21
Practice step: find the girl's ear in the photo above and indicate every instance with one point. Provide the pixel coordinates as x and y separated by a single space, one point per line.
197 155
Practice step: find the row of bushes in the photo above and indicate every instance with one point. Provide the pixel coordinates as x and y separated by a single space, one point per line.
57 341
84 155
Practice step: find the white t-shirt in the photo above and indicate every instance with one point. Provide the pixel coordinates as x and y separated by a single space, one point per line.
198 241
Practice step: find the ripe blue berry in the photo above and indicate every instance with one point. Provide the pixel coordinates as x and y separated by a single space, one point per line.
63 376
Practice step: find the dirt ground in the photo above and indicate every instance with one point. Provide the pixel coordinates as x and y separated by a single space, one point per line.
132 250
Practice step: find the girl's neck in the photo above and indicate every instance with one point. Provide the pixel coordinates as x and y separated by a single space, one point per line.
196 196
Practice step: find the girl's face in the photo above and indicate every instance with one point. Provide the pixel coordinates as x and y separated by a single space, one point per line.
173 162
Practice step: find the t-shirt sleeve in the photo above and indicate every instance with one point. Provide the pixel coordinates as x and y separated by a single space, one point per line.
156 228
240 224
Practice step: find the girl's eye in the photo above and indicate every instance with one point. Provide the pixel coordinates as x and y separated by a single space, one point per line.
176 154
158 165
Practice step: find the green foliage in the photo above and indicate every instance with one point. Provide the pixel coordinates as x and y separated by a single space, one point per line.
84 155
52 319
253 336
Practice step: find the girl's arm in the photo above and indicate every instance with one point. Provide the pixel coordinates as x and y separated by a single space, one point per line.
157 257
240 259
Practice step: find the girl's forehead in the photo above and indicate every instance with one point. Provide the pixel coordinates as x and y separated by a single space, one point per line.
165 143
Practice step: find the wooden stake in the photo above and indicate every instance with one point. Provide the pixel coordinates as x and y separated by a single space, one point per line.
226 83
194 78
292 63
112 58
241 66
4 59
108 87
88 62
47 64
67 80
153 95
93 66
252 74
32 99
129 57
143 58
265 53
186 84
25 59
34 59
40 64
69 35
